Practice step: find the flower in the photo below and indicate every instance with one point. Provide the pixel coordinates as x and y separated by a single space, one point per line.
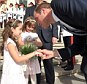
28 48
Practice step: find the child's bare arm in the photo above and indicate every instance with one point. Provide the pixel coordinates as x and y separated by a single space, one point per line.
15 54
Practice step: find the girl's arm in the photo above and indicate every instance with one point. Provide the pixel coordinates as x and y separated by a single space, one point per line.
15 54
38 42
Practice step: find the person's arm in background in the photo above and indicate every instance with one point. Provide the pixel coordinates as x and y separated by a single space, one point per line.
55 33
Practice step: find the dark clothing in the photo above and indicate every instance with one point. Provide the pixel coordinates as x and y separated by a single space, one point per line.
84 65
46 37
29 11
78 47
69 11
67 43
73 13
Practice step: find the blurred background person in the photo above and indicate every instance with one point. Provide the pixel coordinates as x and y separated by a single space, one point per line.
16 11
10 11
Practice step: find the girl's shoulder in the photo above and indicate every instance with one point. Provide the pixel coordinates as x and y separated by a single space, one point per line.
33 34
24 34
9 40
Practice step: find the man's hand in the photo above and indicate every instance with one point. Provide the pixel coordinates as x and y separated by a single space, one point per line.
46 54
54 40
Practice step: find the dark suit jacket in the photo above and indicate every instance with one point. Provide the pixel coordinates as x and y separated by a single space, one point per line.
73 13
29 11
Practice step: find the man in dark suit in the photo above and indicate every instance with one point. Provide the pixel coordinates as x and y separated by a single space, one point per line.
48 36
72 14
29 11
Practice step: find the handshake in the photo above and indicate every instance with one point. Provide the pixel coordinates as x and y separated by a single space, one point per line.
47 54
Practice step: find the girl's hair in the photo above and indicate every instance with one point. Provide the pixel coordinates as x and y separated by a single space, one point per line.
7 32
29 22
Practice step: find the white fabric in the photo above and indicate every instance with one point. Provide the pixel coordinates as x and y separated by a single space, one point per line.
65 33
33 66
21 14
9 12
31 36
12 72
15 10
20 17
1 20
2 17
33 79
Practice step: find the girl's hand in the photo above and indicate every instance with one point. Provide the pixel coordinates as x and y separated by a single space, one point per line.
38 53
46 54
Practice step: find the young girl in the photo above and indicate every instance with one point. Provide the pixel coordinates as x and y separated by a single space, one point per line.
12 66
29 31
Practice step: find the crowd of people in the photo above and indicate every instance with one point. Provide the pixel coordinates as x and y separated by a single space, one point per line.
42 20
13 11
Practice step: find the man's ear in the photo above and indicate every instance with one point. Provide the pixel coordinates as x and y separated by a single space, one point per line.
43 10
12 29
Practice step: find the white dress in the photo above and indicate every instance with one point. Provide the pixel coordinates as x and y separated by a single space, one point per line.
33 66
12 72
